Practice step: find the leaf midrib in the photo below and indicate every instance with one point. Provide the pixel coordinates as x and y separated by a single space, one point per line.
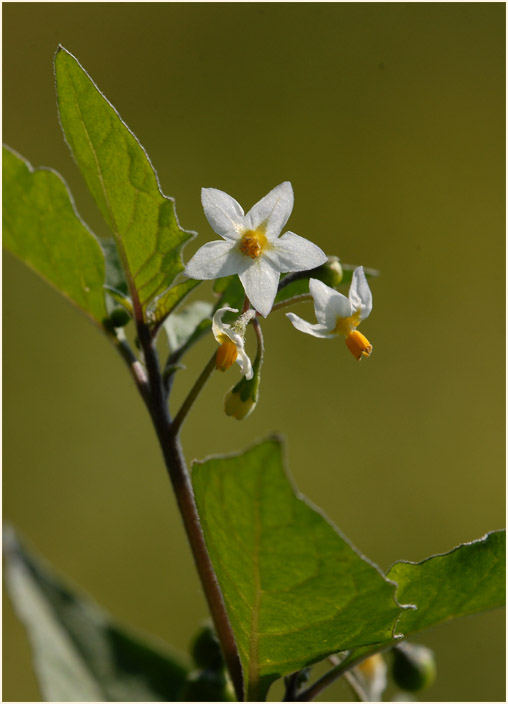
116 232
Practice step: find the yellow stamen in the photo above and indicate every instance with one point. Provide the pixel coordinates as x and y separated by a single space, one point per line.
253 243
344 326
358 344
226 355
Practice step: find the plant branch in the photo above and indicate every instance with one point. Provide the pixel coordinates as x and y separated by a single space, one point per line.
351 680
338 671
291 301
133 363
193 394
180 480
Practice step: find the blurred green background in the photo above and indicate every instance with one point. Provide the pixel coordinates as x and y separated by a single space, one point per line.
389 121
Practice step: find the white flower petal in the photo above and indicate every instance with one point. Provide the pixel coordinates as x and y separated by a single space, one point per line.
244 362
218 327
260 282
294 253
272 212
223 212
329 304
215 259
359 293
317 330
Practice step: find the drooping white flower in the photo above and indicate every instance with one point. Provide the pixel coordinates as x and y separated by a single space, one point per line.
372 677
251 246
231 341
338 315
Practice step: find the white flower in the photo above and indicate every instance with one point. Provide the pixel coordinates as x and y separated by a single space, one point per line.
371 674
231 340
338 315
252 247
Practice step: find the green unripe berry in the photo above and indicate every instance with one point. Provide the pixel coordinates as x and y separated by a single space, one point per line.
414 667
330 273
205 649
119 317
206 686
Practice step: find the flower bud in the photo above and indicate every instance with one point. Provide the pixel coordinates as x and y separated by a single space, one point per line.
414 667
330 273
241 400
236 407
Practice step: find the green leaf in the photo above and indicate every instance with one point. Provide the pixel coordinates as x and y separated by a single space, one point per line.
180 326
468 579
122 181
80 654
295 589
231 292
168 301
42 227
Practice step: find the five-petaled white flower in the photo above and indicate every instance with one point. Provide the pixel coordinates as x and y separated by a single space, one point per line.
338 315
231 340
252 247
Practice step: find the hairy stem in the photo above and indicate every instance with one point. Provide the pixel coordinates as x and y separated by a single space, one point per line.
133 363
167 433
291 301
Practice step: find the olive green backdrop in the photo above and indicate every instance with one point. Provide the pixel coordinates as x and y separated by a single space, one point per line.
389 121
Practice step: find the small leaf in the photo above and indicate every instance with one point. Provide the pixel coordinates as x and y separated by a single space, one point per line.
42 228
295 589
122 181
180 326
468 579
80 654
169 300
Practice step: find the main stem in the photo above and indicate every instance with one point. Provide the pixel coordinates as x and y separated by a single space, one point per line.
180 480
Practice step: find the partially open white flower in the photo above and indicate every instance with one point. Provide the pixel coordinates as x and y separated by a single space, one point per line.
372 676
252 247
338 315
231 341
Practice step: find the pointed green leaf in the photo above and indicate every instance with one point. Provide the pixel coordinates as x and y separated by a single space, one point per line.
122 181
468 579
80 654
42 227
294 588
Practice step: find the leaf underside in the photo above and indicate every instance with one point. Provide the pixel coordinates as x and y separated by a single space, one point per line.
294 588
80 654
42 228
122 181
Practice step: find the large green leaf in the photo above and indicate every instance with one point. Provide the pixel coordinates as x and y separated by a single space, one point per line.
294 588
122 181
42 228
468 579
80 654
